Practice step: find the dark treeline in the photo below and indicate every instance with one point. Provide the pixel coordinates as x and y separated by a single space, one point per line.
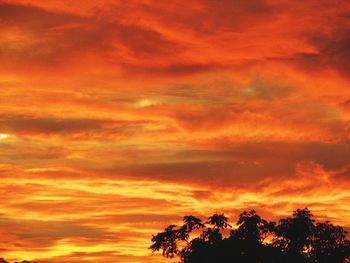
24 261
295 239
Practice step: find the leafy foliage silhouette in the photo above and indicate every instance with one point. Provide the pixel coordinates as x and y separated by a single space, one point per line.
295 239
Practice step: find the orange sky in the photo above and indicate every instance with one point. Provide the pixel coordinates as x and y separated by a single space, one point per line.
119 117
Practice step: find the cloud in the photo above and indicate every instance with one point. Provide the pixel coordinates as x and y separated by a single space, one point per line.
34 18
133 45
20 124
54 38
78 128
238 165
37 234
33 35
327 44
172 69
206 17
332 54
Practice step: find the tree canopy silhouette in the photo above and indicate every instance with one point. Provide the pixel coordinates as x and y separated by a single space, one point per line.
295 239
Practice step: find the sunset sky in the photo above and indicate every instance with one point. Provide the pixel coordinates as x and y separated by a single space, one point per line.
118 118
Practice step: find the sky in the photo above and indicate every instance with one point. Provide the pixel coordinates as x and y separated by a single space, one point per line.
117 118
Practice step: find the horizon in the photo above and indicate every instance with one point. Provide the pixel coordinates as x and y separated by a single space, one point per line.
118 118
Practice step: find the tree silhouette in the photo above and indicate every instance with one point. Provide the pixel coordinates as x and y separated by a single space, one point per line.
295 235
252 227
192 223
329 244
296 239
